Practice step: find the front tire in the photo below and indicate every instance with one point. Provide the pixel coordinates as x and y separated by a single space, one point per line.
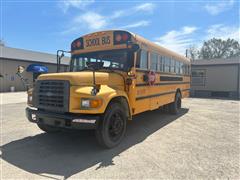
175 106
112 126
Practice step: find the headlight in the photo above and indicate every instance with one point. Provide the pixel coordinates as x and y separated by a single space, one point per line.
91 103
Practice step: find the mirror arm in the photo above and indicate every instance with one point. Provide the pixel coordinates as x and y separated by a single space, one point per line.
24 81
59 57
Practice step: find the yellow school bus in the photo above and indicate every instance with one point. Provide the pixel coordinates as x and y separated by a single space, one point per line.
113 75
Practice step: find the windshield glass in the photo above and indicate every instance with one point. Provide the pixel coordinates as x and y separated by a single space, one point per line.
113 60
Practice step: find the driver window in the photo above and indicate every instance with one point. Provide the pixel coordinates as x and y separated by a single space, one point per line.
142 62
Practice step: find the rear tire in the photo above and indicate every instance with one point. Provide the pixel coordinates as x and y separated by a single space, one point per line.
47 128
175 106
112 126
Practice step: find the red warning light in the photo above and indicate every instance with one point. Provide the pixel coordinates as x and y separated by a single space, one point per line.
78 44
124 37
118 37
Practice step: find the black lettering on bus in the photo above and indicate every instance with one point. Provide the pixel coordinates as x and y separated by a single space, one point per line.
105 40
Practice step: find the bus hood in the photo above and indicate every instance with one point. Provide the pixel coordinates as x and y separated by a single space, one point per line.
86 78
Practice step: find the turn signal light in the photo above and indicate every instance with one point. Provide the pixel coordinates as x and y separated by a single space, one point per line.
95 103
91 103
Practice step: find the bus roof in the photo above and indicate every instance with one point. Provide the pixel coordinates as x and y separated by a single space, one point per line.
160 49
149 45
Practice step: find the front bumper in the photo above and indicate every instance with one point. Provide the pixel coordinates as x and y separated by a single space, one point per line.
70 121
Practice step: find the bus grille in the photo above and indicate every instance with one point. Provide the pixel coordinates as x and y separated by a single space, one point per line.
51 95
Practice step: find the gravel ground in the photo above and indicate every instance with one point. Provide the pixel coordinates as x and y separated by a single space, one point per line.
201 143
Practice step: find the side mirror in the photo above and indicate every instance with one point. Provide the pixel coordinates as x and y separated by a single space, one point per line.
20 69
133 47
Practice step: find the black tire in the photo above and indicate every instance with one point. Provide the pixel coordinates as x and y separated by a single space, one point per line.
48 129
112 126
175 107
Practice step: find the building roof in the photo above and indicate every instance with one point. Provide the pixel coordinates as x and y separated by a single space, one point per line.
28 55
204 62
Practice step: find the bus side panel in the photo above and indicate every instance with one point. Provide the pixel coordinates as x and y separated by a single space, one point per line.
162 93
142 105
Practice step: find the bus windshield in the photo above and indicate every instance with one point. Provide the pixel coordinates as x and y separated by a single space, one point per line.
113 60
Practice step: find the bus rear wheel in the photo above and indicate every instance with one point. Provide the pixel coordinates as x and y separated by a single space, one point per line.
175 106
112 126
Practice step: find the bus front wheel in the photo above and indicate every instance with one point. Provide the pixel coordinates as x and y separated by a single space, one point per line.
112 126
175 106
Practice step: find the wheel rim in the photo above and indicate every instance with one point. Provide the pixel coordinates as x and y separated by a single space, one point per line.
116 126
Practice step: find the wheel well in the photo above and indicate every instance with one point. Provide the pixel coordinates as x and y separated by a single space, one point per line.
124 103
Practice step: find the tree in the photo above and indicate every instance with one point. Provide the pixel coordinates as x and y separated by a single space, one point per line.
193 52
218 48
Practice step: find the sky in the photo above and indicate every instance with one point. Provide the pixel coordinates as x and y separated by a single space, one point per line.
46 26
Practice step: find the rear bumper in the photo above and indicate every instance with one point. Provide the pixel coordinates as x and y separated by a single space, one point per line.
70 121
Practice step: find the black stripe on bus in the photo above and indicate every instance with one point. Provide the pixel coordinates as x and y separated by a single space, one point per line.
160 94
185 89
163 83
170 78
162 73
156 95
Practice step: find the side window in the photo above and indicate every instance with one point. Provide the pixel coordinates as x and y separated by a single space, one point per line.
144 59
167 64
172 65
181 68
185 69
161 63
154 61
177 67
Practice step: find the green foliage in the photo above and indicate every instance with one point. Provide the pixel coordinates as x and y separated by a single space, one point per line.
215 48
218 48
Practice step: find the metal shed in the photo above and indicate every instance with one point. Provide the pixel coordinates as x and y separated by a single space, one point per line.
216 78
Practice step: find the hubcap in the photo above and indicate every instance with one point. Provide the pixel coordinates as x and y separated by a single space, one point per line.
115 126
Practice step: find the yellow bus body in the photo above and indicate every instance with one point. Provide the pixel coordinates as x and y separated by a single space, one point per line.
140 95
104 99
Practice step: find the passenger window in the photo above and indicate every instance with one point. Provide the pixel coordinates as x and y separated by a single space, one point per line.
177 67
144 59
167 64
172 65
185 69
160 64
181 68
154 61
